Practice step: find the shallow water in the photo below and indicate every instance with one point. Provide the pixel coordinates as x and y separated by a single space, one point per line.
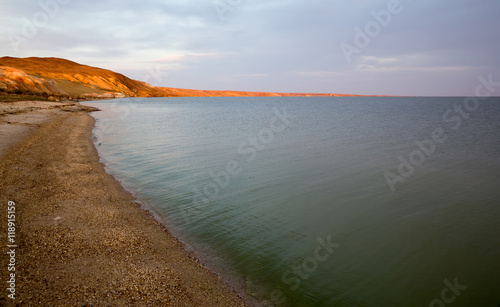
323 201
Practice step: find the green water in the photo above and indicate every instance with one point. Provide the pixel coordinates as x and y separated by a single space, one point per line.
322 201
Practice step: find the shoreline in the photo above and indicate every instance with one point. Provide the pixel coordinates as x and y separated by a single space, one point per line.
205 257
81 237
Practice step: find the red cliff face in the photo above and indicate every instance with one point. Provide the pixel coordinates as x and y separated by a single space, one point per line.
64 77
16 79
59 76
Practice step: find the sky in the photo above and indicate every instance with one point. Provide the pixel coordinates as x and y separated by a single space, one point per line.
367 47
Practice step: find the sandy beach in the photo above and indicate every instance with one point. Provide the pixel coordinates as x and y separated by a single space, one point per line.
77 237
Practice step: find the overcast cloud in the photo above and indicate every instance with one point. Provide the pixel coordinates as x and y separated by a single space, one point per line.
427 48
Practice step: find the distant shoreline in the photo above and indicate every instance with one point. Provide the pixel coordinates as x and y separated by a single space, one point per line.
56 77
81 237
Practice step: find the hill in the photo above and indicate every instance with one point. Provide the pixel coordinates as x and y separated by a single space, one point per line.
55 76
64 77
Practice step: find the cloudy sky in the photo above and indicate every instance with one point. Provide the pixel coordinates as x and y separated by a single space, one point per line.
406 47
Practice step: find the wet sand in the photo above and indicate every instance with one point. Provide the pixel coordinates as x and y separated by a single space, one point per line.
80 238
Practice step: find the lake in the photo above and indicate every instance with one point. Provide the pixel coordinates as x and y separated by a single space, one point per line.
322 201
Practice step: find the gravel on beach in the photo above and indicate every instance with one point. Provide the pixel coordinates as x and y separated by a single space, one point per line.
80 239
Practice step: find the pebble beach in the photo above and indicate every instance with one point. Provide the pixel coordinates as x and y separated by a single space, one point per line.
78 238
